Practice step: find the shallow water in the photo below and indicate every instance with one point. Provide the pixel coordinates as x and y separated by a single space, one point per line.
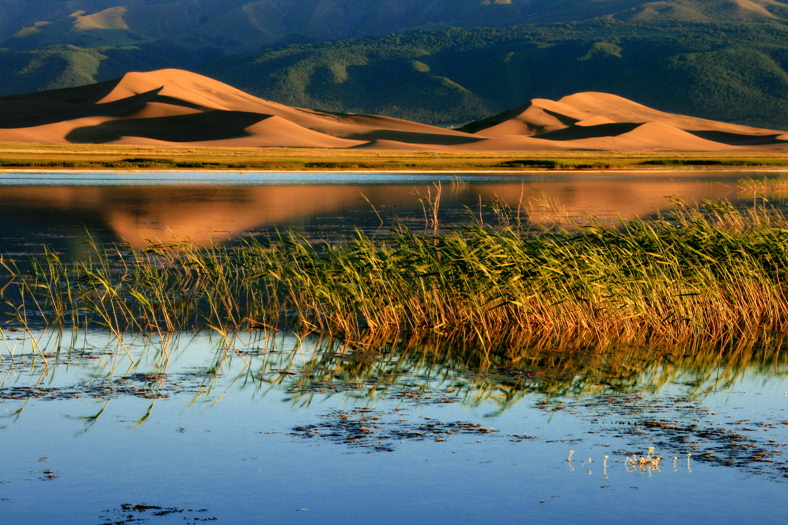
272 429
93 439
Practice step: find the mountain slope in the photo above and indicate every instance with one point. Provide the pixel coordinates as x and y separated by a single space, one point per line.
242 25
732 73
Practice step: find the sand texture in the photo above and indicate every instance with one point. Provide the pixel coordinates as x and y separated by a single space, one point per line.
176 107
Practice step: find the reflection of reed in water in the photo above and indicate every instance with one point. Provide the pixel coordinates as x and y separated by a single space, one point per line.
773 189
206 366
552 371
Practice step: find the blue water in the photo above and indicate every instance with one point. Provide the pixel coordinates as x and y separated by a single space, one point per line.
224 448
248 178
96 432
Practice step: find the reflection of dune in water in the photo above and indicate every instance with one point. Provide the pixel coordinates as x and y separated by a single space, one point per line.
209 214
202 215
225 213
565 201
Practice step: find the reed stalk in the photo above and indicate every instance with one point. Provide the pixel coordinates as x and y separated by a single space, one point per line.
710 273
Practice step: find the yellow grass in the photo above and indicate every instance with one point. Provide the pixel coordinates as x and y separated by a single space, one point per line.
14 156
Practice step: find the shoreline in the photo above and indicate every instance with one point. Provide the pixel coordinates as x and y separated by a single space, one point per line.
76 158
608 171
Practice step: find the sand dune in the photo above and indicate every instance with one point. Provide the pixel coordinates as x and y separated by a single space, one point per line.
608 122
177 107
651 136
383 144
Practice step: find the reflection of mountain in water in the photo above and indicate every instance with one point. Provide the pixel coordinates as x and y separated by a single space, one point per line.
206 214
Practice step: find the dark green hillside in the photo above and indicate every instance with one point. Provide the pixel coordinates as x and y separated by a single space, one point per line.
55 67
51 68
731 72
231 26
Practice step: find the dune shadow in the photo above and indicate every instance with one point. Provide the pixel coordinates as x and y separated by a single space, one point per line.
44 108
49 107
737 139
89 94
411 137
563 119
199 127
589 132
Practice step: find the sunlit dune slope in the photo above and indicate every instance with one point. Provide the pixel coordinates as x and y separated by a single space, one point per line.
177 107
604 121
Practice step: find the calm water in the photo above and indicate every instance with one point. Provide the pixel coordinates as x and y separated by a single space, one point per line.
59 208
271 429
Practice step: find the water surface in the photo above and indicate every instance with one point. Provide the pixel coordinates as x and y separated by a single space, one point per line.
204 209
271 428
271 435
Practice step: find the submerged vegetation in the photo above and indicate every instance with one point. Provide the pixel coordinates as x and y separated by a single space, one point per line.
711 273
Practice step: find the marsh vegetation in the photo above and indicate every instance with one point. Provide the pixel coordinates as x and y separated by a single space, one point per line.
711 272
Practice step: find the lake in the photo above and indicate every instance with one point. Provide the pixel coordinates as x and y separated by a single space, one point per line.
268 427
217 207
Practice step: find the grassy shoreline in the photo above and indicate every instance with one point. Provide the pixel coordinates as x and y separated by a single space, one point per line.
55 157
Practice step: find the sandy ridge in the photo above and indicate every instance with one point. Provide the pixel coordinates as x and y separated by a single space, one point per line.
177 107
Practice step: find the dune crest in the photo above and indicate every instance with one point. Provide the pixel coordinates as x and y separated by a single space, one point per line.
177 107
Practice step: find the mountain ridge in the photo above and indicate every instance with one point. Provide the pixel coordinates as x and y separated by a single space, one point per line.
243 25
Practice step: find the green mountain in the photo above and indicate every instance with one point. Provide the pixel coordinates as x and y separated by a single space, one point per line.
230 26
439 61
734 72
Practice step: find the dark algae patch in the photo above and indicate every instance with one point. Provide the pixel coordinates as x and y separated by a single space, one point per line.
145 513
722 446
147 386
379 431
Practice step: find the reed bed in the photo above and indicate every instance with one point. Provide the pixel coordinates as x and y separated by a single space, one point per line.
710 273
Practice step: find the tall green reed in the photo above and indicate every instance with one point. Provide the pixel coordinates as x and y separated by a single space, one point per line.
711 272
